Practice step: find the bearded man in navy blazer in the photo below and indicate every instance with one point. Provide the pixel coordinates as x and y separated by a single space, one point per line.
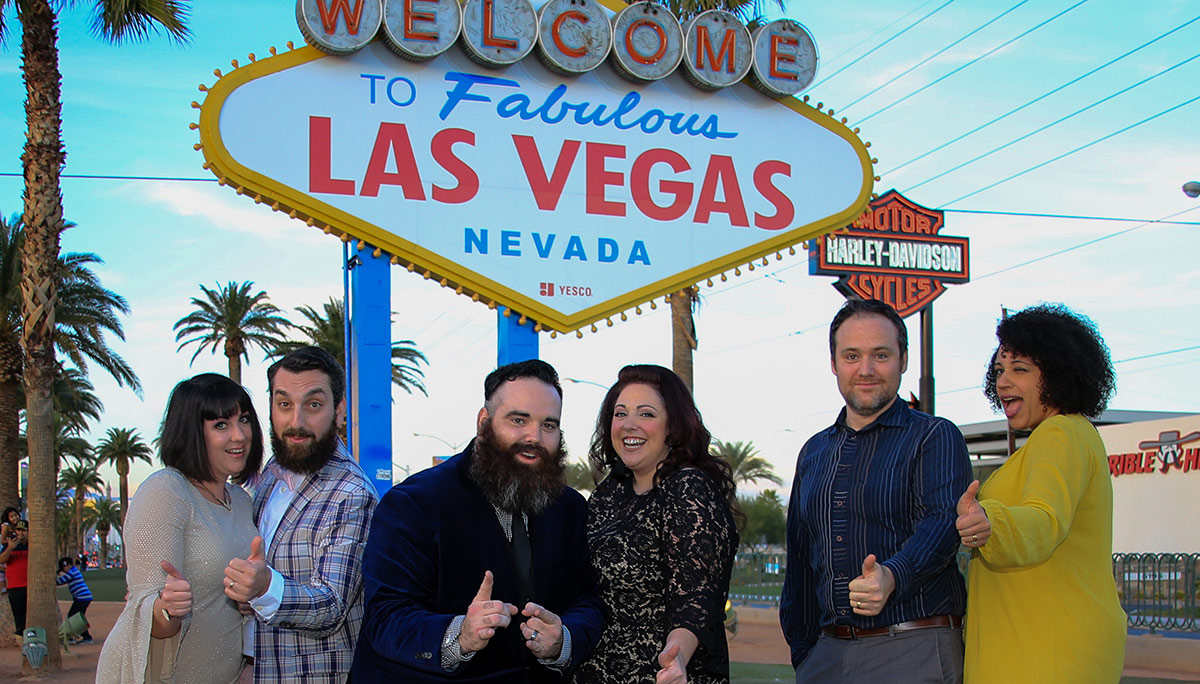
478 569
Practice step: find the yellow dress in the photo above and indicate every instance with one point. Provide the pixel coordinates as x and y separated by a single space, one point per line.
1042 606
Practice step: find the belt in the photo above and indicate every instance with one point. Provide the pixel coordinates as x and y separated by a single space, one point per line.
852 632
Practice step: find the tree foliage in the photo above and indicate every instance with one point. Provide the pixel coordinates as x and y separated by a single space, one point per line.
121 447
748 466
766 521
232 319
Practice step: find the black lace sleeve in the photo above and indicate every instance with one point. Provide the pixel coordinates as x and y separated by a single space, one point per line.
701 540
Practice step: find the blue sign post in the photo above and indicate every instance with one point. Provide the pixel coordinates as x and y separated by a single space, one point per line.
370 365
514 342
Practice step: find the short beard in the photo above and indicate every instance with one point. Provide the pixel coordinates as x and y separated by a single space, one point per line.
307 459
513 486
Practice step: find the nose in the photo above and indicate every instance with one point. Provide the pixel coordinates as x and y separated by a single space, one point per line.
293 418
241 431
1002 379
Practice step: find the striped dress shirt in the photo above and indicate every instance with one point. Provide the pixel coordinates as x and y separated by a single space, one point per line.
889 489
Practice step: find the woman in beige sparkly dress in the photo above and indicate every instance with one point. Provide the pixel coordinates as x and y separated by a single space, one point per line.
184 525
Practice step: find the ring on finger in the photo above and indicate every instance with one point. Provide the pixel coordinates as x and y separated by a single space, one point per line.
533 636
975 539
231 583
858 604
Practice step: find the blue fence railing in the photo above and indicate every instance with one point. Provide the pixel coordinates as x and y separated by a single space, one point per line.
1158 591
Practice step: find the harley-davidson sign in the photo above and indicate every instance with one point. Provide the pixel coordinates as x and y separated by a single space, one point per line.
893 253
618 166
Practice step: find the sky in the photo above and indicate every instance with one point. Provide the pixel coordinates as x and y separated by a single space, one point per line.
917 77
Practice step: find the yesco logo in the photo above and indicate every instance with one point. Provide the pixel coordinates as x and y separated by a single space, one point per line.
549 290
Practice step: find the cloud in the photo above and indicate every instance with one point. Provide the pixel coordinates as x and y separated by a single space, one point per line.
226 211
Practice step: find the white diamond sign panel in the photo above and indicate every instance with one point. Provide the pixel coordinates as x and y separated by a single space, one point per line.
568 198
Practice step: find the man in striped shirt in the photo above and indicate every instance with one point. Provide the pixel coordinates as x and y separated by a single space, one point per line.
872 593
81 596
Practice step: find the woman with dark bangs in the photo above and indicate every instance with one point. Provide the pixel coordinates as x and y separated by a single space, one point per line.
1042 604
661 535
184 525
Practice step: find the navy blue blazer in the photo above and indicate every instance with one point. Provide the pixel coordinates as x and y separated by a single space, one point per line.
432 538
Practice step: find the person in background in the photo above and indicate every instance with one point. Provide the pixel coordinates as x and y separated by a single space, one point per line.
15 556
185 522
662 536
81 595
1042 603
7 520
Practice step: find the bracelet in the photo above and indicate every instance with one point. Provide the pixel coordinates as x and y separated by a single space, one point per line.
165 614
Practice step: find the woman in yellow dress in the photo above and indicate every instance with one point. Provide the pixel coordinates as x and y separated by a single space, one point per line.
1042 604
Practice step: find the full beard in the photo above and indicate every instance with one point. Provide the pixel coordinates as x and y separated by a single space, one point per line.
307 458
514 486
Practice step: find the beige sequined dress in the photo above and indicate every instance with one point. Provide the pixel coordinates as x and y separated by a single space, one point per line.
170 520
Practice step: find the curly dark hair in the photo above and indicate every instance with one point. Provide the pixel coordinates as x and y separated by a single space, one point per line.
687 437
1077 372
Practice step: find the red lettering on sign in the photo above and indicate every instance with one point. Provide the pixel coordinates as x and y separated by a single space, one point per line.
598 179
1130 463
784 210
639 180
1191 460
546 191
775 57
704 49
1114 465
556 33
393 138
720 171
443 154
319 174
329 15
639 57
490 39
411 17
1148 461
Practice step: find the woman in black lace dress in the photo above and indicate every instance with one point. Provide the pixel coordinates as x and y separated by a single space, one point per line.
662 536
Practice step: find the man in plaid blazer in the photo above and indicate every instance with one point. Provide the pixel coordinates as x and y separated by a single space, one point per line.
313 507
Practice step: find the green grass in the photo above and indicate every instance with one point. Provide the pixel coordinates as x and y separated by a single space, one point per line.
106 585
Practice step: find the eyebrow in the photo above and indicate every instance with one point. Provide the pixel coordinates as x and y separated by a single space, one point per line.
311 393
649 406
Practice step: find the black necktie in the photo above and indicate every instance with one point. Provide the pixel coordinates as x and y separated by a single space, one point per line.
522 558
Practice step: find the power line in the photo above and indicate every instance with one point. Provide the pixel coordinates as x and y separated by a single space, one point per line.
1035 131
881 31
925 61
894 37
1075 217
1040 97
91 176
1069 153
1082 244
968 64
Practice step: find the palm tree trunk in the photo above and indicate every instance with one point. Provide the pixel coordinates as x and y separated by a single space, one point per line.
235 368
12 398
123 474
683 335
77 543
42 160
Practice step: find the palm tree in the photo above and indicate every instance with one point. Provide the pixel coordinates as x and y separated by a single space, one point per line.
75 400
82 477
104 514
580 476
121 447
327 329
748 466
233 319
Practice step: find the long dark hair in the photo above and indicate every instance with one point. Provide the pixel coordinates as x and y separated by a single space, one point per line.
687 437
207 396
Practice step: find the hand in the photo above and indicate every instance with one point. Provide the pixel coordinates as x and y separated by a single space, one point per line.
176 594
245 608
672 669
484 617
247 579
543 631
869 592
973 525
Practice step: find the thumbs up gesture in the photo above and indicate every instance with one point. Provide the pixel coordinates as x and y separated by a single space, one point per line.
671 667
484 617
973 525
176 595
248 578
870 591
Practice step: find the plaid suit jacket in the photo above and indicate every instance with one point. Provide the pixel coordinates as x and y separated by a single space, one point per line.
318 549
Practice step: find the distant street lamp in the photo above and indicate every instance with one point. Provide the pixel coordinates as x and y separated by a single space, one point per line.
455 447
577 381
1191 189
